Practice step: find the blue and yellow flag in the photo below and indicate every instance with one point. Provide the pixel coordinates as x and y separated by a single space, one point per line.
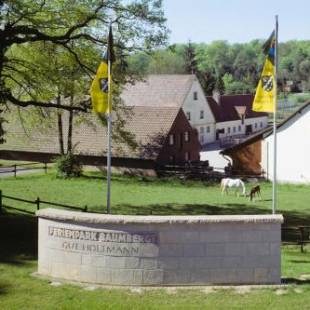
99 90
264 100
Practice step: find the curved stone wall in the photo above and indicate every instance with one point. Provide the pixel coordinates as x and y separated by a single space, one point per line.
159 250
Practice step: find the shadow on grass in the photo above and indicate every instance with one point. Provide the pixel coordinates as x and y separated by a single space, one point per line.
291 218
4 288
295 261
93 177
145 180
295 281
18 238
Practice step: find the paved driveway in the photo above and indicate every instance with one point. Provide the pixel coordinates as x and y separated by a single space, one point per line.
211 152
9 172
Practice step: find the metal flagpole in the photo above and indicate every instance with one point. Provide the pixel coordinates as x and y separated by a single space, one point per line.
274 183
109 137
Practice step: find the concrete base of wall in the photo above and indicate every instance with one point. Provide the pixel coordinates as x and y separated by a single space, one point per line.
159 250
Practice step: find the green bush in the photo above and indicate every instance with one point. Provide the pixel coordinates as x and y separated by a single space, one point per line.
68 166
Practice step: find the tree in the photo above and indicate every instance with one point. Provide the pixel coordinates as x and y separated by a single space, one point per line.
219 85
190 61
63 24
140 24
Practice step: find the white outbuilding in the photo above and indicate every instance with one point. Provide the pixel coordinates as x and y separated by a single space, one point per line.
293 149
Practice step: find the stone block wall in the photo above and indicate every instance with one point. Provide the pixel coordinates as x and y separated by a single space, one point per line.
160 250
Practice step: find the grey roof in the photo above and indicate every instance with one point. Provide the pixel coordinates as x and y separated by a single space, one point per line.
163 90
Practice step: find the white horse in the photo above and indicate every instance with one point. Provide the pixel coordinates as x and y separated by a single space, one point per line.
237 184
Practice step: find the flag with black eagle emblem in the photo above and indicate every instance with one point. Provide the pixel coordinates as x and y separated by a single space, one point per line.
99 90
264 100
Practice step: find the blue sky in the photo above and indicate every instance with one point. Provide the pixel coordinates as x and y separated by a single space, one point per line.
236 20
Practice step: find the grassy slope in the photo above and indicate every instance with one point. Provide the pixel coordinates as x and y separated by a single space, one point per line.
18 235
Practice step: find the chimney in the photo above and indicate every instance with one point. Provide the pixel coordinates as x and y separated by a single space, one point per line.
216 96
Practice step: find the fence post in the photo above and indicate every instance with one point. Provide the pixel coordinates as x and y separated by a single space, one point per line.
38 203
0 201
45 167
301 239
15 170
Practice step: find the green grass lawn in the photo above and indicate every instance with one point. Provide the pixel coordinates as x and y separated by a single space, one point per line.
19 289
132 195
18 241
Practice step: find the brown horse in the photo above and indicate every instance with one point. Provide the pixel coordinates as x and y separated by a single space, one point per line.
254 191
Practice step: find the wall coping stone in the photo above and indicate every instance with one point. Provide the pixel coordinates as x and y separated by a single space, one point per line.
95 218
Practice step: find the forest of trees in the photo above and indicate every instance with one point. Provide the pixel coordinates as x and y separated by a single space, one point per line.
228 68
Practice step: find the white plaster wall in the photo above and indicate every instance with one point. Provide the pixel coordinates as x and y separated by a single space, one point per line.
248 121
194 107
205 136
293 151
230 124
258 121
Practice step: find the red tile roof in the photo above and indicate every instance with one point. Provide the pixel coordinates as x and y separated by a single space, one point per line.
229 105
144 123
90 137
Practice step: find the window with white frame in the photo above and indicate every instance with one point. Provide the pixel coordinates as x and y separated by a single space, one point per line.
171 139
202 130
228 129
186 136
188 115
234 129
255 125
239 128
202 139
208 129
195 95
261 124
201 114
187 156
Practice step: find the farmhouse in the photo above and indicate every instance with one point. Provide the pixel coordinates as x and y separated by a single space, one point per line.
255 155
158 136
178 90
235 118
215 118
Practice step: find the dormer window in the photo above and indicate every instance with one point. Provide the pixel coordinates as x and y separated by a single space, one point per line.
195 94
